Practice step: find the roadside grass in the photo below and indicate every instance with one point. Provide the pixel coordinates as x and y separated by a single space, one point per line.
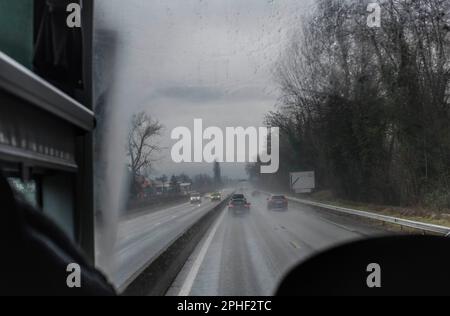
418 214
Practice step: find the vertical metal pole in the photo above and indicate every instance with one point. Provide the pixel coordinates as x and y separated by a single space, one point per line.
85 178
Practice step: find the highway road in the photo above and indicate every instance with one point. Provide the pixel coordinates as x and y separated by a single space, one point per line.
143 238
249 254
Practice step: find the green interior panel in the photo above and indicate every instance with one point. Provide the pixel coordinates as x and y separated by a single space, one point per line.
16 30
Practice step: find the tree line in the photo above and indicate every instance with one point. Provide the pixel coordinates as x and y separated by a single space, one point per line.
368 108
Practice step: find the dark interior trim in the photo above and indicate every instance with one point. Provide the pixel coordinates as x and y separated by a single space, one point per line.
19 81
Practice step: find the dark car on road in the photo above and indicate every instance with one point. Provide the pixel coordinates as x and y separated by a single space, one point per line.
216 196
239 205
238 197
196 198
277 202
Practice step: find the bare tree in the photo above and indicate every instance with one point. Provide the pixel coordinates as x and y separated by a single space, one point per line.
142 143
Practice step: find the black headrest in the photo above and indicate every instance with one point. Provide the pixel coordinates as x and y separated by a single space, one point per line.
10 216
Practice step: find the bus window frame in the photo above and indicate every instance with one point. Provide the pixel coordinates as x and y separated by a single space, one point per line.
36 92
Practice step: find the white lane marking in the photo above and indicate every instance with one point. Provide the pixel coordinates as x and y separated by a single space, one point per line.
342 227
157 213
190 279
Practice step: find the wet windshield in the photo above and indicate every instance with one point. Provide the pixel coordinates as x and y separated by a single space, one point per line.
324 119
354 97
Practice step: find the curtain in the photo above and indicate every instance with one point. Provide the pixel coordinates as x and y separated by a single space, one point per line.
58 53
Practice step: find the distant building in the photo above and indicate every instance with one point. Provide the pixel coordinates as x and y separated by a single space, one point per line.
144 187
149 188
185 188
161 188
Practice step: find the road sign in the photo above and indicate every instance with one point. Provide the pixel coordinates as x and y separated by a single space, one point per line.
303 182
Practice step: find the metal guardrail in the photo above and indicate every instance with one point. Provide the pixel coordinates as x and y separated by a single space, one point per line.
424 227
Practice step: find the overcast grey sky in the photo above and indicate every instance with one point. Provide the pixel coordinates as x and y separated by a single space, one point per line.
186 59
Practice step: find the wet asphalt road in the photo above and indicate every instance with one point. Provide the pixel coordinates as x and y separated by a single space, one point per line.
142 238
248 254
